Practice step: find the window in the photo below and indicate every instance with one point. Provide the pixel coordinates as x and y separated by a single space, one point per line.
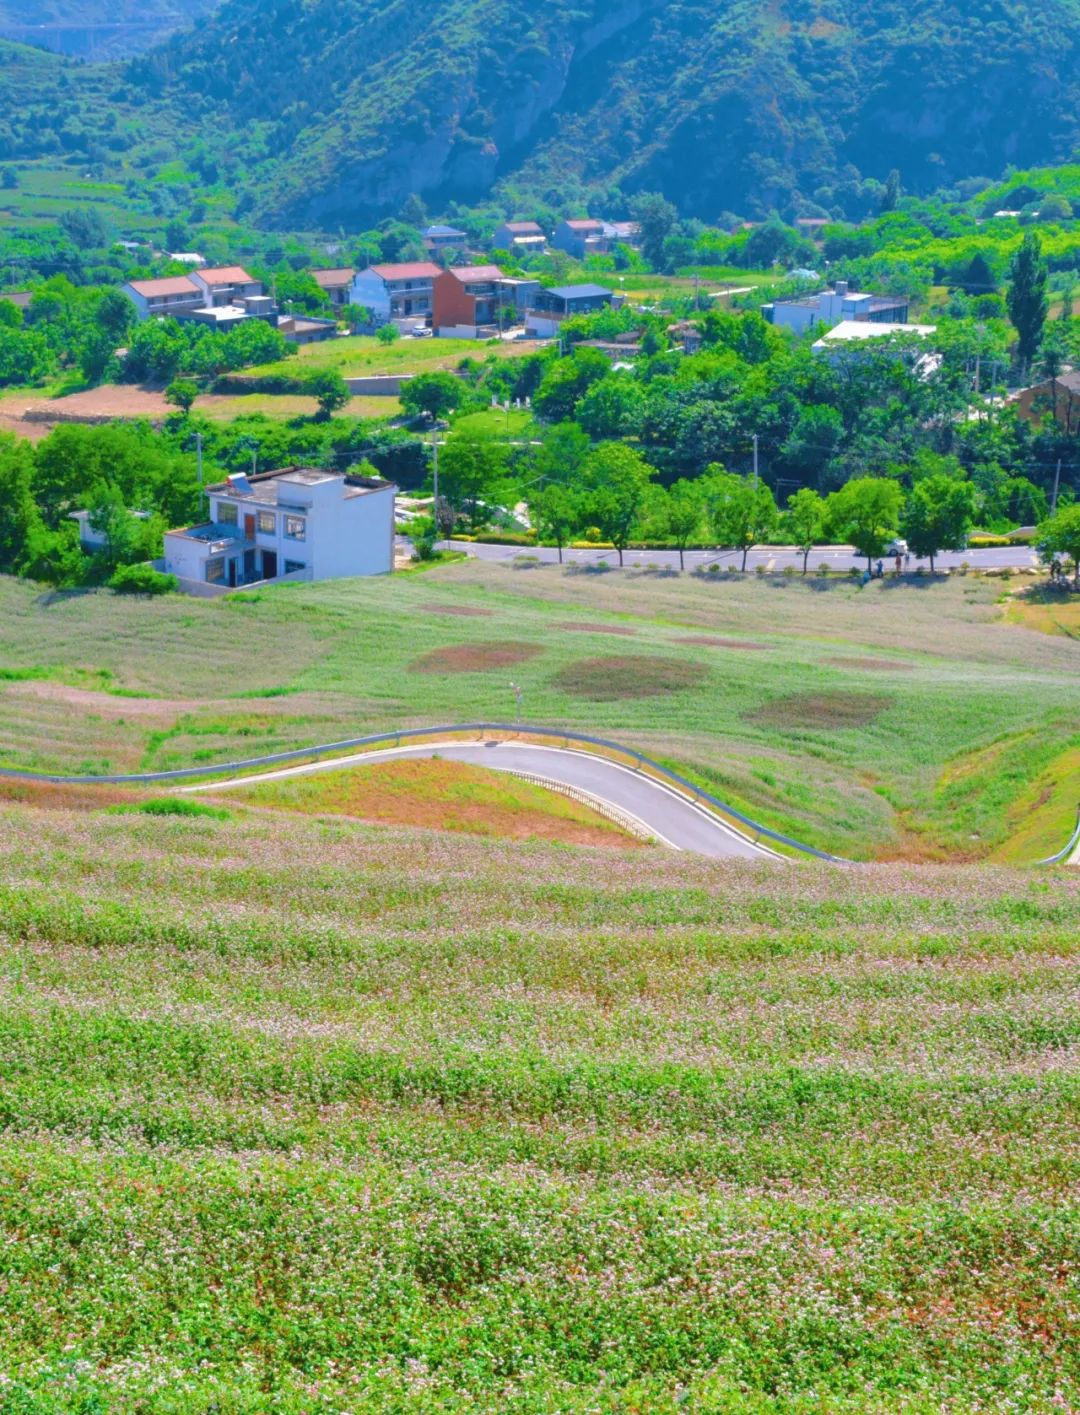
215 570
227 515
295 527
291 566
267 522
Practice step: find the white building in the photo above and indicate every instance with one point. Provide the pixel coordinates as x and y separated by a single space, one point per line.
396 294
295 524
173 295
832 307
858 332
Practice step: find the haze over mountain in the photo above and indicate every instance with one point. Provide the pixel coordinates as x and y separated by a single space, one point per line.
97 29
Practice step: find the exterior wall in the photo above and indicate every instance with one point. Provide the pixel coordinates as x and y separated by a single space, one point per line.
357 539
451 303
542 326
576 242
369 291
161 306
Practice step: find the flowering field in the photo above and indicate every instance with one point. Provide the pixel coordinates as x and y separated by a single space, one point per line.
892 721
306 1116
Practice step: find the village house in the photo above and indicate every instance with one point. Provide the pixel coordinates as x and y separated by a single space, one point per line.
396 294
621 233
305 329
580 238
157 299
551 307
444 242
1055 398
294 524
519 237
335 285
466 301
831 307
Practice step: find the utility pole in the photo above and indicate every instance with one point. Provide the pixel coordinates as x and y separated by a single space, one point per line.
198 464
755 461
1057 486
435 481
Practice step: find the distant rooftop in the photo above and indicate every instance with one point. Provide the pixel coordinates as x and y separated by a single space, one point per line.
270 488
571 292
443 231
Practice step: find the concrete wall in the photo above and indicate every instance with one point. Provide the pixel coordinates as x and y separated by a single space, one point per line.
378 385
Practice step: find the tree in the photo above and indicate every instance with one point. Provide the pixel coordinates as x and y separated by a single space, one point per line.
866 514
20 515
806 521
176 236
938 515
978 278
181 393
562 453
684 511
612 407
556 511
471 468
890 198
616 481
1027 300
742 510
433 393
1059 535
329 390
657 218
9 179
387 333
567 380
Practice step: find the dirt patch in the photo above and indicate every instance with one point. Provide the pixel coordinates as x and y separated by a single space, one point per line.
711 642
604 680
59 796
822 710
872 665
103 704
102 404
474 658
598 629
457 611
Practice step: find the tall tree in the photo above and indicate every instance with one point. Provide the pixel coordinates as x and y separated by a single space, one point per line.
866 514
1059 535
616 481
20 515
938 515
657 219
890 198
471 468
741 510
557 513
683 513
1027 301
806 521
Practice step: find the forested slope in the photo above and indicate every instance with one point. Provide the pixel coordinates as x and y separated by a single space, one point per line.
734 106
97 28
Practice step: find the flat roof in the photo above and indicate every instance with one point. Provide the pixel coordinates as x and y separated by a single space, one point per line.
465 274
869 329
262 488
570 292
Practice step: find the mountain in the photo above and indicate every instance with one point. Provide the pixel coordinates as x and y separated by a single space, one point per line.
97 29
342 108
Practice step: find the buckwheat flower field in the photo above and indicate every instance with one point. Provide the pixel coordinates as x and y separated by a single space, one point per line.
306 1116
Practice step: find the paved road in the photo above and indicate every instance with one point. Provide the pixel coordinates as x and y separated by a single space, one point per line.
675 821
836 557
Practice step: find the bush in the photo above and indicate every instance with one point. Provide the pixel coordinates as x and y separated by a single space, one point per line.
175 806
142 579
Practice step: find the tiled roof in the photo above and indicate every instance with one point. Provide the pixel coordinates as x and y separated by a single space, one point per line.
332 279
226 275
585 225
410 270
466 274
170 285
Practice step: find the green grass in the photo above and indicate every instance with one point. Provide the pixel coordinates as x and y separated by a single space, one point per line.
308 1117
850 726
359 355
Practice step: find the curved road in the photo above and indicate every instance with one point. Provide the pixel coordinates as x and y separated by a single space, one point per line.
672 818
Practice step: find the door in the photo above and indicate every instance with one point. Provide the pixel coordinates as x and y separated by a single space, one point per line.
269 564
249 527
249 566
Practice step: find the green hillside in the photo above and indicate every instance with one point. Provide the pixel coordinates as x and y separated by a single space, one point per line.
732 107
327 113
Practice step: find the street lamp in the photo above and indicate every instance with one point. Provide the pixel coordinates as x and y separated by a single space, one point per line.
518 692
